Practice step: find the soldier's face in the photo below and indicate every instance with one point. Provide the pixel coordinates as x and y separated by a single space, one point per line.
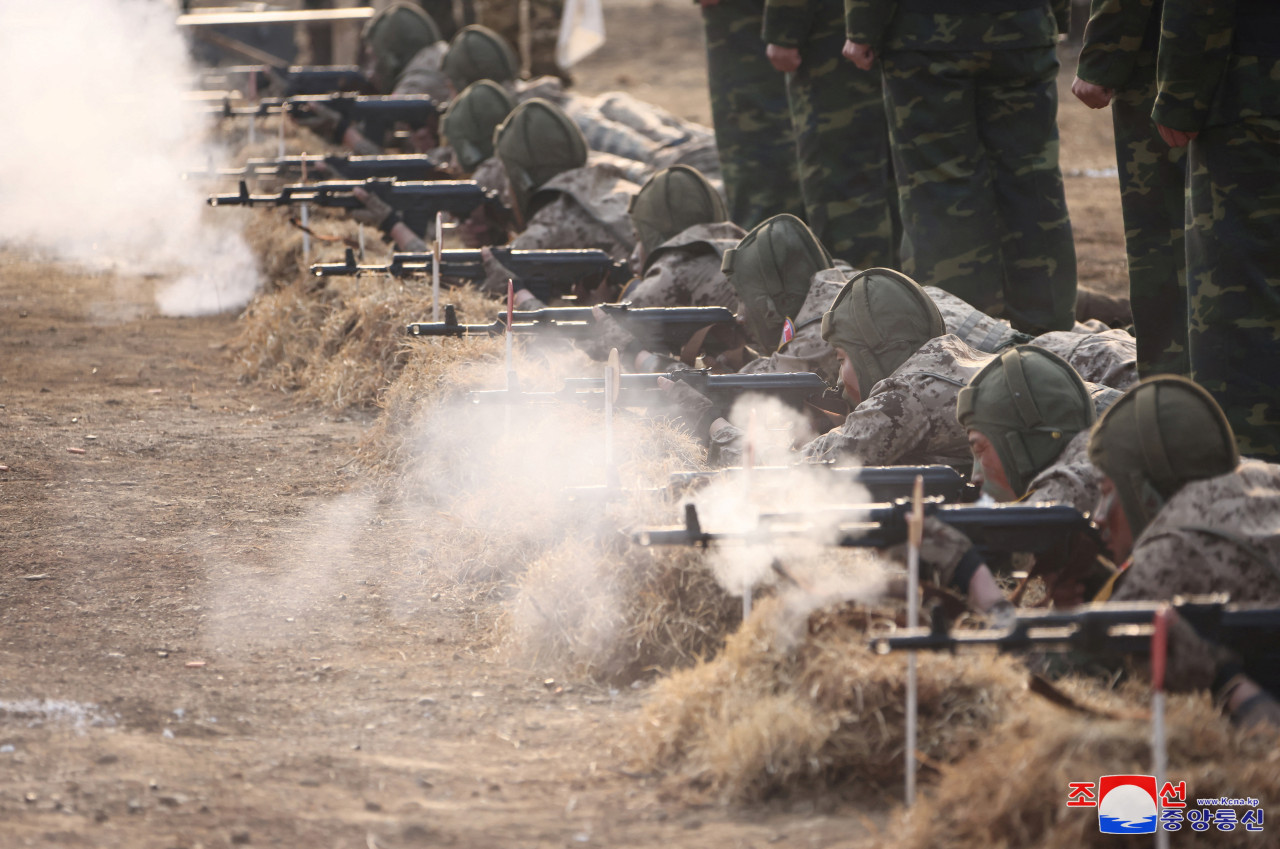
988 469
848 379
1114 523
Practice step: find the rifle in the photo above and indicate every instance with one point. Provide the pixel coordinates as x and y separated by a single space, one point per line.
547 274
1003 528
642 390
657 329
301 79
885 483
376 114
1115 628
417 202
409 166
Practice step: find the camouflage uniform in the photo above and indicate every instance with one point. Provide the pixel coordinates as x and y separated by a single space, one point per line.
684 271
1070 479
423 74
1120 53
973 103
749 109
619 124
807 350
1219 75
1213 535
1107 357
581 208
842 135
907 419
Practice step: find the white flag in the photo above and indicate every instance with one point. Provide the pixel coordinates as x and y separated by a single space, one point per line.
581 31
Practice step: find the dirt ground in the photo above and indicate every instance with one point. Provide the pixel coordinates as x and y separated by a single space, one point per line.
188 660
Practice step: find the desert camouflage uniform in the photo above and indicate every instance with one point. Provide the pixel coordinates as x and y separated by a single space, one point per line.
1107 357
842 135
1219 75
1070 479
1216 535
749 109
1120 53
619 124
684 271
972 98
589 210
423 74
503 17
909 418
807 350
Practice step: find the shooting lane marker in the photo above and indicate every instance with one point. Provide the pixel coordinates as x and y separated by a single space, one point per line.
280 138
1159 752
306 235
435 270
915 535
748 463
612 375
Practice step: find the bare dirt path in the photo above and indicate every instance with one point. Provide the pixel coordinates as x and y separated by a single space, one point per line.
189 657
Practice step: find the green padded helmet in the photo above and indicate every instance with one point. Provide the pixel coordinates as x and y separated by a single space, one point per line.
537 142
880 318
1163 433
1029 403
671 201
479 53
394 37
771 269
469 122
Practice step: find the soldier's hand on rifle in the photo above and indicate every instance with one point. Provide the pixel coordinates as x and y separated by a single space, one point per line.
608 333
948 558
376 213
325 122
695 409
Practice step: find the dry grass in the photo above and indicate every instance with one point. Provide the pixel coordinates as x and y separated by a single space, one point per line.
799 704
1012 793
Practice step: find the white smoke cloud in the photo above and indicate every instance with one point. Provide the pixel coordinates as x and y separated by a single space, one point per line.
98 135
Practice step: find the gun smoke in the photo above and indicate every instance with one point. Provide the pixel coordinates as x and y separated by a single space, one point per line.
92 170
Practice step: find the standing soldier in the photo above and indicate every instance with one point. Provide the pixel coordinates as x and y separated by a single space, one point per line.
749 110
1219 91
842 135
1118 67
972 102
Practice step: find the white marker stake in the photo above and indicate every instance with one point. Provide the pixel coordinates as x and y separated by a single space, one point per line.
360 233
280 143
306 237
435 271
1159 752
253 129
748 462
511 371
612 375
915 533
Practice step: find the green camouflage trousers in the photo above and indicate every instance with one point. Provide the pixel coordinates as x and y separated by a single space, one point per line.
1153 202
842 142
975 151
1233 276
749 110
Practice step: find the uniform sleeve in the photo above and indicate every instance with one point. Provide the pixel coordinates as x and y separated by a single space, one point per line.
883 428
787 23
1195 47
1112 39
867 21
1062 15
